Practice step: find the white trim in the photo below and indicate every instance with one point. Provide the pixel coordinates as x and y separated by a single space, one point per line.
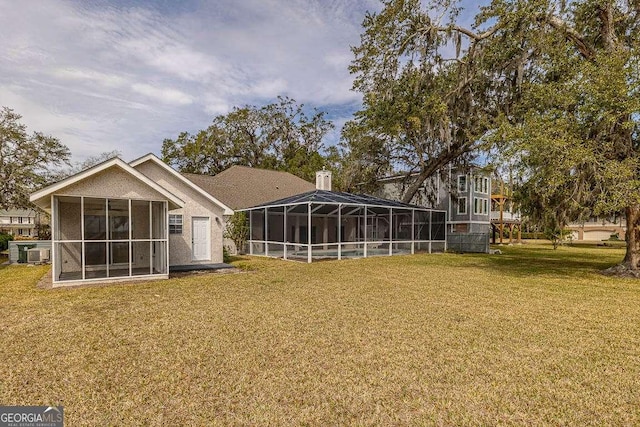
56 187
78 282
418 208
461 204
152 157
465 188
470 222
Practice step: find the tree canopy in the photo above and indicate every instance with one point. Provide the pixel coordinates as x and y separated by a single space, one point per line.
277 136
553 85
26 160
425 102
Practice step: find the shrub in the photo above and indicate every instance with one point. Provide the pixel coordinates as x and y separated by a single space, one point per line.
237 229
4 241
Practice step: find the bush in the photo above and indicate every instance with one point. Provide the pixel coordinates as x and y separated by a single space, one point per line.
4 241
226 257
237 229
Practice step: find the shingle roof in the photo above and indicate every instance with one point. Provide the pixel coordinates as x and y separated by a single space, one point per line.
334 197
240 187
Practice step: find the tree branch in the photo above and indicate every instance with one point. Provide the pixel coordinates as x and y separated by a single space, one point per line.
571 34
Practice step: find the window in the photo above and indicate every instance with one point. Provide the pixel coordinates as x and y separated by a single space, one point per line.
480 206
20 220
462 184
462 205
481 185
175 224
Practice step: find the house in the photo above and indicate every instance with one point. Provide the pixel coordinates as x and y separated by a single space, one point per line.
599 228
138 220
18 222
117 221
464 193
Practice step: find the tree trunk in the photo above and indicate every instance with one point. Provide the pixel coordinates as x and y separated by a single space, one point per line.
632 256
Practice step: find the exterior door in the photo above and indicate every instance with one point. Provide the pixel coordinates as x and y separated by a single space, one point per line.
200 243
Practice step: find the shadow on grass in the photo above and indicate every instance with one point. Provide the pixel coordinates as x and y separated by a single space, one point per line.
565 261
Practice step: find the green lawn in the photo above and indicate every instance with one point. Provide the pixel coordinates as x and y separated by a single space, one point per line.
530 337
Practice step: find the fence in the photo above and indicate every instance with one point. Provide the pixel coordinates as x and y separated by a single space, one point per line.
468 242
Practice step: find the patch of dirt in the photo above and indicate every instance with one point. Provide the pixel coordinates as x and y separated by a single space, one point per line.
46 282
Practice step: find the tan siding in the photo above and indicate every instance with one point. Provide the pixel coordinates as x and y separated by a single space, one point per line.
196 205
112 183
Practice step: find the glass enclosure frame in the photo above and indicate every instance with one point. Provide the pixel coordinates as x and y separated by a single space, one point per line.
107 238
309 231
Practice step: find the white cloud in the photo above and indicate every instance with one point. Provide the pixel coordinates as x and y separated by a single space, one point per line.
165 95
104 76
92 76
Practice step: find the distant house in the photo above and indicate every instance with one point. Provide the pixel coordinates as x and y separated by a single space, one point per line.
464 193
599 228
18 222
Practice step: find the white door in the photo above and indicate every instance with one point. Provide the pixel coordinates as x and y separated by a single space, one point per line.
200 239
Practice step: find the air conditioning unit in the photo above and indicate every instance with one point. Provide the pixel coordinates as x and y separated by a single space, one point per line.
33 255
36 255
45 255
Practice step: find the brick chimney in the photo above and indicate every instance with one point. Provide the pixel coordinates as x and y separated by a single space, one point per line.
323 180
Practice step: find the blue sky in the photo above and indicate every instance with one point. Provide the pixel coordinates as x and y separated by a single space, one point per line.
124 75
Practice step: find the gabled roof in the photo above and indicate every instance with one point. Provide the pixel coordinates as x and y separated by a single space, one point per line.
153 158
336 197
42 197
241 187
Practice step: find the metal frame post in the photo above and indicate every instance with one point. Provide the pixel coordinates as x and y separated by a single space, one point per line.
251 232
413 231
365 231
266 229
339 231
309 249
284 239
390 231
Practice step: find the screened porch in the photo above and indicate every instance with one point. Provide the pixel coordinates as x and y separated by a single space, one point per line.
322 225
100 238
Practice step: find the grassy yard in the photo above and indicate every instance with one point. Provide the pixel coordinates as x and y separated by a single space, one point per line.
530 337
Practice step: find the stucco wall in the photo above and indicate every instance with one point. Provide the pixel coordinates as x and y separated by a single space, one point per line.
196 205
112 182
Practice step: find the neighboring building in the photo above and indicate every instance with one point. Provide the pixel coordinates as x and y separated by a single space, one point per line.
599 228
465 194
18 222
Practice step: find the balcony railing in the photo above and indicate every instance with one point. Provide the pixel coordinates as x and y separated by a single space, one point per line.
506 216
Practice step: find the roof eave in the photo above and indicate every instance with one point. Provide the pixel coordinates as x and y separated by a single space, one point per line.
152 157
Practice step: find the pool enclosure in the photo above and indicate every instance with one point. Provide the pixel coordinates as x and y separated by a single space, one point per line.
332 225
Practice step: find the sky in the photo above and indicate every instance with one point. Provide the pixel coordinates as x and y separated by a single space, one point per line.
124 75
